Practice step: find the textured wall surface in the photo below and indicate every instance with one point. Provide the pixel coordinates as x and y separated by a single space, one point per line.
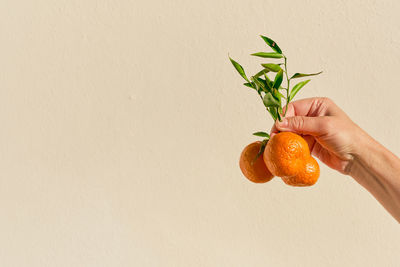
122 123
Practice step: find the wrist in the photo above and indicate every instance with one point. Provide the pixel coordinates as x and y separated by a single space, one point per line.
363 146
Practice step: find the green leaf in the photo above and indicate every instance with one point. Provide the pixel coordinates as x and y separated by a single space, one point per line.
277 95
239 69
271 43
279 115
278 79
258 87
280 94
272 67
260 84
299 75
268 82
251 85
261 151
263 82
261 72
270 101
296 89
273 113
261 134
267 55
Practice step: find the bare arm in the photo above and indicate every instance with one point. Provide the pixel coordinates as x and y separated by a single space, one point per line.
378 170
342 145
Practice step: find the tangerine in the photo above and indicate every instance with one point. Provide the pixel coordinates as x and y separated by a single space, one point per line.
287 155
253 167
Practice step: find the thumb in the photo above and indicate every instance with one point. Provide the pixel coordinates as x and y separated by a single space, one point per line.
302 124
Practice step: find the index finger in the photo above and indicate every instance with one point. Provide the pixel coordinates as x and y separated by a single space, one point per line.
311 107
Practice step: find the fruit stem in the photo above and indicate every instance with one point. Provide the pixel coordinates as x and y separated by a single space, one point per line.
279 115
288 86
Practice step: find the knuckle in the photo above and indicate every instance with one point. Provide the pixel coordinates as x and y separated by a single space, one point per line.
298 122
326 100
322 105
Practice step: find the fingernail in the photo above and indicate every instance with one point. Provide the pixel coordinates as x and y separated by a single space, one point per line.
283 123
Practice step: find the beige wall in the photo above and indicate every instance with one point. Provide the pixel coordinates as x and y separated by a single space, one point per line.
122 124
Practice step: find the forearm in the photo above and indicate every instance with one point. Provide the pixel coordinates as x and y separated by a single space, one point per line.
378 170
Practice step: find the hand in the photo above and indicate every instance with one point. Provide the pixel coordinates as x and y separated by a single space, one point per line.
339 143
331 135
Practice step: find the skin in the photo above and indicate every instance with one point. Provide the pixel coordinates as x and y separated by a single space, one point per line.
343 146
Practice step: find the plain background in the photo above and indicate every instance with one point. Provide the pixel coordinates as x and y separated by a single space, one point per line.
122 123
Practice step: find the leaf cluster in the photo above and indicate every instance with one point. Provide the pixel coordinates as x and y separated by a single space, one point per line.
269 81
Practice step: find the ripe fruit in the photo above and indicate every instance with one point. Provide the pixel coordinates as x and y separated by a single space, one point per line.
254 169
287 155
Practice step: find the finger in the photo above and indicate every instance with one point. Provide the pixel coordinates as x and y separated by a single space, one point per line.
302 107
290 112
316 106
273 131
329 158
303 125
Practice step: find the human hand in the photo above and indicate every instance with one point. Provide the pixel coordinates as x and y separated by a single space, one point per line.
331 135
339 143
